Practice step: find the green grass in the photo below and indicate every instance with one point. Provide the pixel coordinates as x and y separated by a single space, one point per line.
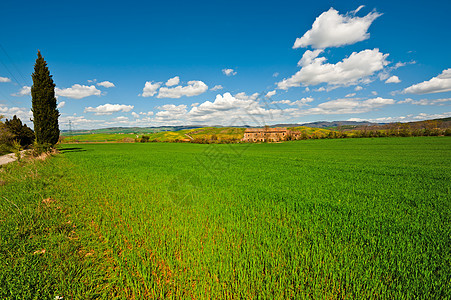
345 218
100 138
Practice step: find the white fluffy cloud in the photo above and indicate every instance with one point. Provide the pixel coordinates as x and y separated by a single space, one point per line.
358 88
173 81
407 118
21 112
438 102
349 106
243 96
108 109
61 104
149 113
352 70
106 84
301 102
78 91
217 88
194 88
4 79
120 119
150 89
229 72
229 110
25 90
393 79
78 121
282 102
331 29
270 94
439 84
171 114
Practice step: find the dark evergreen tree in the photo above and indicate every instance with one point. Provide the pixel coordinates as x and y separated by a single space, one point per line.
45 112
22 133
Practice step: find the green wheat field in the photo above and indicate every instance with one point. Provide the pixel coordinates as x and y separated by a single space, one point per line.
320 219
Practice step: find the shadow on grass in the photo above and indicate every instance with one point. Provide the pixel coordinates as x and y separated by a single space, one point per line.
73 149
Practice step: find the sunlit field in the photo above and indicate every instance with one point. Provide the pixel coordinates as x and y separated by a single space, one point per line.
341 218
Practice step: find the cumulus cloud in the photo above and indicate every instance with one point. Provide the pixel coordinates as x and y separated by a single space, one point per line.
243 96
350 95
21 112
349 106
194 88
282 102
61 104
275 74
331 29
135 115
4 79
229 72
270 94
439 84
149 113
222 108
352 70
173 81
227 109
217 88
358 88
171 114
301 102
393 79
78 91
150 89
407 118
120 119
108 109
78 121
439 102
25 90
106 84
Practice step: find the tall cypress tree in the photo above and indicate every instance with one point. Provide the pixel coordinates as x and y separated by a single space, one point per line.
45 112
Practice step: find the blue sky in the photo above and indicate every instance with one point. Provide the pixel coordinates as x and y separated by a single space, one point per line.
154 63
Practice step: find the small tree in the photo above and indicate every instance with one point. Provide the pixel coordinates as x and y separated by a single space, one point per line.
44 107
22 133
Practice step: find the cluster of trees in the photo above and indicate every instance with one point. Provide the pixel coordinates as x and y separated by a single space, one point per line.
14 135
367 133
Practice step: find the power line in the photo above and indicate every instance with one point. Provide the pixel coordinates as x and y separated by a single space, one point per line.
14 65
12 75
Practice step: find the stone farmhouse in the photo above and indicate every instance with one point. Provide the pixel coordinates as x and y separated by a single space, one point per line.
269 134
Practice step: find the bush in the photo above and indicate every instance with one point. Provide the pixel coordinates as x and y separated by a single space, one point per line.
22 133
144 139
39 149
